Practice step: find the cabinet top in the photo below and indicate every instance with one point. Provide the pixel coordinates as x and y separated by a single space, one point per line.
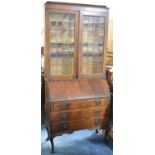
77 90
50 4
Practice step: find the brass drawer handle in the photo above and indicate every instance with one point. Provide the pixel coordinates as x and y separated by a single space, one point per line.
97 112
64 116
97 103
65 106
64 126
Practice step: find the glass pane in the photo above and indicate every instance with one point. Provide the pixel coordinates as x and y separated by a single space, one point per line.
93 45
61 44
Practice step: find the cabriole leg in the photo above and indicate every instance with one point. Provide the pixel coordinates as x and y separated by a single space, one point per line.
52 144
48 134
96 131
106 136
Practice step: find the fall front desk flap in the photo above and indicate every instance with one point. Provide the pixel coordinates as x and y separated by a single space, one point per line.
77 89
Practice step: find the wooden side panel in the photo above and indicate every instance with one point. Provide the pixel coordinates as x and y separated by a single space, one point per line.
47 105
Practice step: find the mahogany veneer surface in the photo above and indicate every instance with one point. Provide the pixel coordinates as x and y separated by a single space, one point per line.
77 89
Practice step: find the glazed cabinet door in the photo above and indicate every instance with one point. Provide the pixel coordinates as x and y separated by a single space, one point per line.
92 43
61 44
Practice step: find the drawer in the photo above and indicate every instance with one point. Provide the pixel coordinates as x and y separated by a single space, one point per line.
79 124
74 105
78 114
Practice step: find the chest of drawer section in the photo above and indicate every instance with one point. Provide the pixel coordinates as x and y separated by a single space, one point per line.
81 114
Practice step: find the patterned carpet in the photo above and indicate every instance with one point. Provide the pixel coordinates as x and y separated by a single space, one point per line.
82 142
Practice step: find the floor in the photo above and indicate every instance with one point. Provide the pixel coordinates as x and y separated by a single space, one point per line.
82 142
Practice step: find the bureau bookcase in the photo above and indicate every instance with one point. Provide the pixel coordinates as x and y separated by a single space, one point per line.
76 91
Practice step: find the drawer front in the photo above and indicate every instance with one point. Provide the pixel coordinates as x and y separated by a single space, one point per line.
74 105
79 124
78 114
